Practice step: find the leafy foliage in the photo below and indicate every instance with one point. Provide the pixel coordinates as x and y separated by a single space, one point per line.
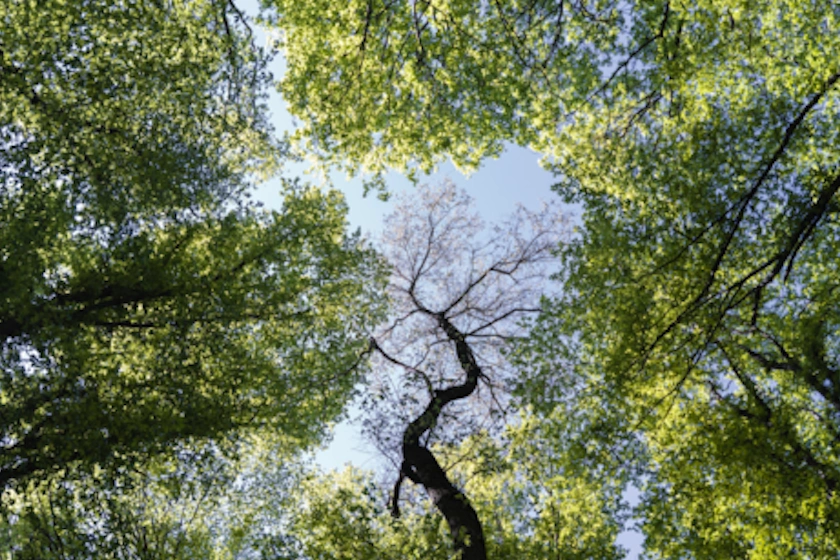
222 500
696 339
698 296
402 84
405 84
147 307
530 506
144 300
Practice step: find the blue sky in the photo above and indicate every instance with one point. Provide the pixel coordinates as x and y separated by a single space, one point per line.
500 184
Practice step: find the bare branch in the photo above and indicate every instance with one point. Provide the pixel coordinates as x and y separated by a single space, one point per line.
458 294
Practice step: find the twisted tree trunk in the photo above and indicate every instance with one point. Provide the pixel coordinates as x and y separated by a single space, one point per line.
420 466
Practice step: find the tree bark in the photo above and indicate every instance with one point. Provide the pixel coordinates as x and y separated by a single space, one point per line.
421 467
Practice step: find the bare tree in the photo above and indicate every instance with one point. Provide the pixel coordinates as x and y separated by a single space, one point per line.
459 292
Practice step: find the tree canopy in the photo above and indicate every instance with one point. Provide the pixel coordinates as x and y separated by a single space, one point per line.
168 347
695 343
404 85
143 299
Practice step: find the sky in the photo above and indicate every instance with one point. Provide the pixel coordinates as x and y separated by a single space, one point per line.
497 187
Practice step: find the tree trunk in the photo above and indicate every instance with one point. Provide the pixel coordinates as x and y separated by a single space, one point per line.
421 467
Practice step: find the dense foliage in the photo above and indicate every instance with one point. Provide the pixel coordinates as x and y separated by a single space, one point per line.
695 345
168 347
531 506
143 300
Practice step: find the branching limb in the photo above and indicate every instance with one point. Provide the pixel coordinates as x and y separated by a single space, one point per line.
458 296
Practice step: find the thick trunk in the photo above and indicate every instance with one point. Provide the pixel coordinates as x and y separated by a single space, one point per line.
421 467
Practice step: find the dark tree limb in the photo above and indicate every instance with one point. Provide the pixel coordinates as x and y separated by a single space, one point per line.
421 467
453 290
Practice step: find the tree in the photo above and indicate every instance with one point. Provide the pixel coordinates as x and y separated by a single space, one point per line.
343 516
696 339
455 298
143 300
154 509
406 84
